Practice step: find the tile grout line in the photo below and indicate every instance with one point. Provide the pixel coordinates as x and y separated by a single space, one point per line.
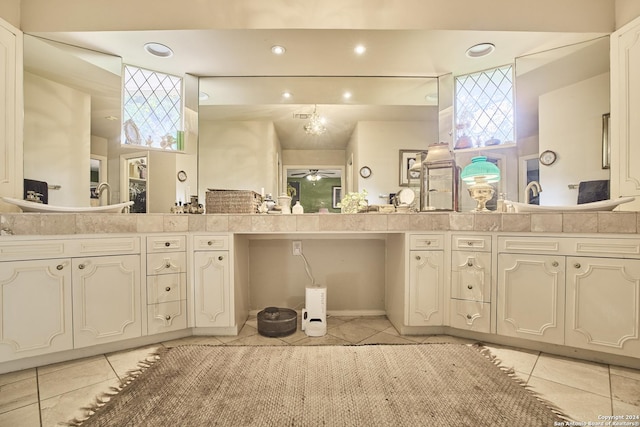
38 396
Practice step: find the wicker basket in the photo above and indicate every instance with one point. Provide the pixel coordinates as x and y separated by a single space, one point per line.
232 201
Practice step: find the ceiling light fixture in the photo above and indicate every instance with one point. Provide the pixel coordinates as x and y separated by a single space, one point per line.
315 126
278 50
480 50
286 95
314 177
360 49
346 95
158 49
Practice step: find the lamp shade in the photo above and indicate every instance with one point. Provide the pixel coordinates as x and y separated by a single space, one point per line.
479 170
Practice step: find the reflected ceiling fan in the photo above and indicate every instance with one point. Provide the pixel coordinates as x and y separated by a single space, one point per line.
314 174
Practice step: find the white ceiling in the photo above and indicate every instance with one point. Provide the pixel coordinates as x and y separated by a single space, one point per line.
414 54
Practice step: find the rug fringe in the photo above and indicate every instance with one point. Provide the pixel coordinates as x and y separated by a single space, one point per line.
486 352
104 397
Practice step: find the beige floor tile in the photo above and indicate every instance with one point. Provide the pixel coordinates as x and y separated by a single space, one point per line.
66 365
27 416
18 394
295 337
352 333
333 321
194 340
625 372
521 361
13 377
75 377
124 361
379 323
625 389
246 331
64 407
384 338
578 404
327 339
587 376
622 408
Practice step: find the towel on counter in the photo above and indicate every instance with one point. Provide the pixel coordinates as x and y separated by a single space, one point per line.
37 186
593 191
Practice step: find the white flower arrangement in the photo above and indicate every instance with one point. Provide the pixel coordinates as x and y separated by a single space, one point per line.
354 202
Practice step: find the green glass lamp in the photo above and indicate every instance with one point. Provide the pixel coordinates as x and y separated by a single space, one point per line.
478 175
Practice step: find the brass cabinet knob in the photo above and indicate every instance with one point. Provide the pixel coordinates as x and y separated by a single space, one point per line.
469 316
210 243
418 258
470 263
81 266
167 244
168 288
59 266
577 265
167 317
220 258
555 263
469 286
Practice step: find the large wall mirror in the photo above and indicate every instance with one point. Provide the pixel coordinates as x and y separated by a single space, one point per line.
71 118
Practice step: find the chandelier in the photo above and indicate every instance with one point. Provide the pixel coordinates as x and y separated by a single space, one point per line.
315 126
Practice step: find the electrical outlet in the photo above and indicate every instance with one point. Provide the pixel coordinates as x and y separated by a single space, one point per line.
297 247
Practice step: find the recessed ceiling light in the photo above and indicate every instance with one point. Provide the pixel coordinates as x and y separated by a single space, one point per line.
360 49
158 49
286 94
278 50
346 95
111 118
431 97
203 96
481 49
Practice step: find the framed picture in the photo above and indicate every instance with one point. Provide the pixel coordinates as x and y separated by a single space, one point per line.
606 141
407 159
293 191
337 196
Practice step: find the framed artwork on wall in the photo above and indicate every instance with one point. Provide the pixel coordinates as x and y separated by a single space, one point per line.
336 196
407 159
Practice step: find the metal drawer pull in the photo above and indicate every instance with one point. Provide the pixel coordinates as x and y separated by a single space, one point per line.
167 244
470 243
428 242
59 266
167 317
82 266
418 257
210 243
168 264
469 286
470 263
577 265
220 258
168 288
469 316
555 263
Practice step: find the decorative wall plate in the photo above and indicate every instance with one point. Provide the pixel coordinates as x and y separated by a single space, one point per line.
131 133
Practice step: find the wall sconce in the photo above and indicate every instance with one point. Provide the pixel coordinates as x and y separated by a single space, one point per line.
478 176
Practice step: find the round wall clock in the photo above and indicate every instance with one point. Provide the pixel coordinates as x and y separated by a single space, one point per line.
548 157
365 171
182 176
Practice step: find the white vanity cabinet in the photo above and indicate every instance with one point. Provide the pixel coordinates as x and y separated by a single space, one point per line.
603 304
470 297
213 303
625 127
166 283
425 303
36 307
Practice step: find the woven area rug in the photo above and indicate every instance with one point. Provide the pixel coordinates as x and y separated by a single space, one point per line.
368 385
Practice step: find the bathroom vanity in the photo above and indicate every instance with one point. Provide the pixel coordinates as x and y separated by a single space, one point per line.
74 285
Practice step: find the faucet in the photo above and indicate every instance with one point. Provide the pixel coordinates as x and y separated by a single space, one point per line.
101 187
535 188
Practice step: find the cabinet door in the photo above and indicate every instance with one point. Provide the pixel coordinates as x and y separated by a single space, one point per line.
36 308
426 279
625 98
603 305
471 276
531 297
106 299
212 299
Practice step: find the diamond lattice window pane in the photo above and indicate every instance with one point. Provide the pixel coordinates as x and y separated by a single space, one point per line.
484 108
152 109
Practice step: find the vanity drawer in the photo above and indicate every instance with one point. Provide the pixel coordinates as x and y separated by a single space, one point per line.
166 287
532 245
170 262
156 244
426 242
210 243
617 248
166 316
473 243
471 276
470 315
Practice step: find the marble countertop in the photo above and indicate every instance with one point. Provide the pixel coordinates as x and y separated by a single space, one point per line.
62 224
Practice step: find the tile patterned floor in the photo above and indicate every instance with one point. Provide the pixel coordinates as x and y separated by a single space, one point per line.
49 395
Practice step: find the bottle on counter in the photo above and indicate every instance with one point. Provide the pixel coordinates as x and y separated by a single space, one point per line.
500 205
297 208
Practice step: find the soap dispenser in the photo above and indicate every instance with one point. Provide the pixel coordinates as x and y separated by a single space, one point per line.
297 208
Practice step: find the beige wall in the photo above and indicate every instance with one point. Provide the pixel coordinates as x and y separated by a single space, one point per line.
571 125
626 11
10 12
353 270
57 140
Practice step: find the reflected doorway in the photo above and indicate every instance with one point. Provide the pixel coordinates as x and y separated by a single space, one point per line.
316 188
